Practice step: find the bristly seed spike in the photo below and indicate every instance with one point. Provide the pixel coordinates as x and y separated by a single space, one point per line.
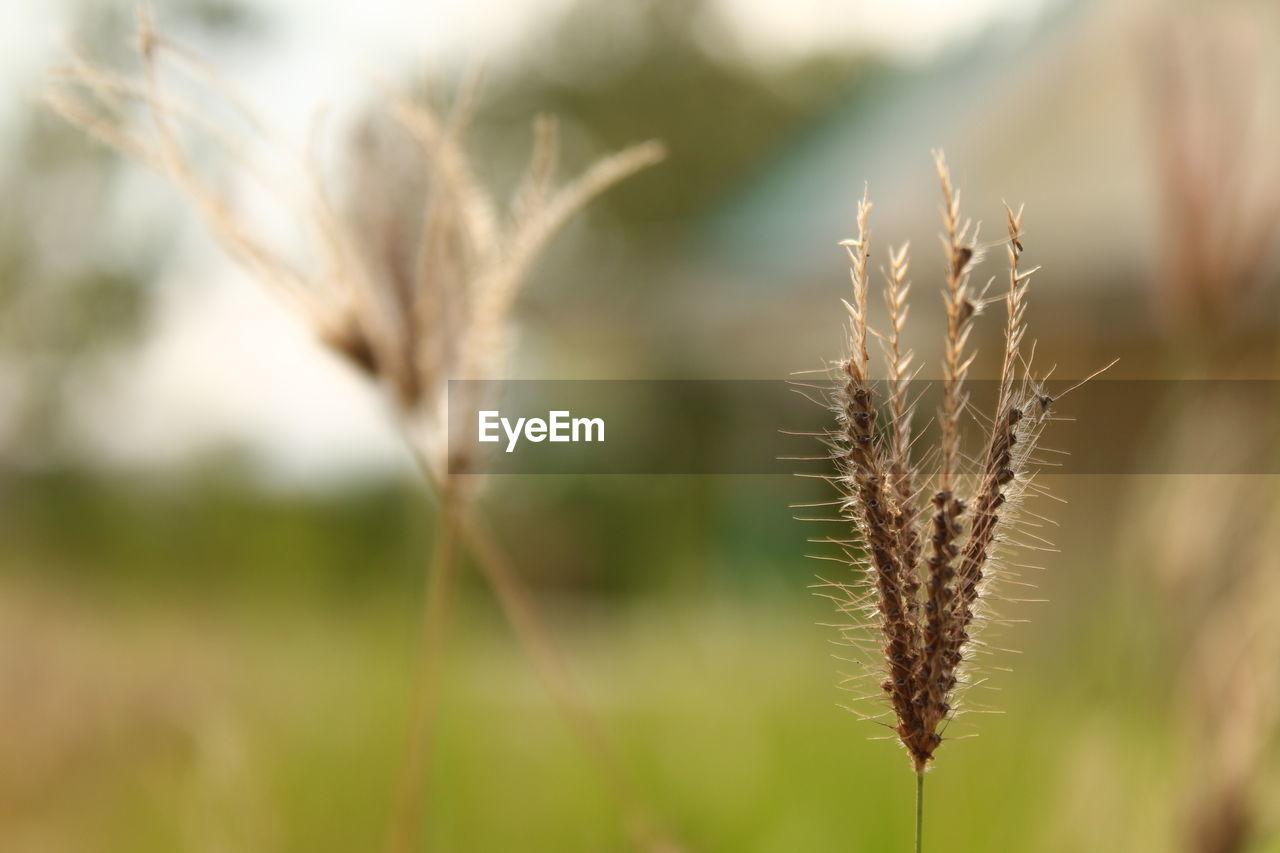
934 537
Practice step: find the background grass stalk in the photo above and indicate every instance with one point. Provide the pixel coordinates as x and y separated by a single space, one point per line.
414 780
462 524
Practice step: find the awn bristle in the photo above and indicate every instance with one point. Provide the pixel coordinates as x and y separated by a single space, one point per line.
927 600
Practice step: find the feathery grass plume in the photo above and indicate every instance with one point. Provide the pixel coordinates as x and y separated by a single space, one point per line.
927 545
412 279
436 307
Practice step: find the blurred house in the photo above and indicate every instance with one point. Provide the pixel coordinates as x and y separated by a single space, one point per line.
1055 112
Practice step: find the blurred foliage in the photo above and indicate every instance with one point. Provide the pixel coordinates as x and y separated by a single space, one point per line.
71 291
214 528
62 303
663 69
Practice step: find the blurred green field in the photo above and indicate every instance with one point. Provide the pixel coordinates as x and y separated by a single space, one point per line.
248 714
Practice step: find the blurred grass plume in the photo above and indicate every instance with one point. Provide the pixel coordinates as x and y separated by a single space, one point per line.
414 279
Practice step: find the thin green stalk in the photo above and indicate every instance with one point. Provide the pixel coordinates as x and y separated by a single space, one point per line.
415 769
919 809
462 526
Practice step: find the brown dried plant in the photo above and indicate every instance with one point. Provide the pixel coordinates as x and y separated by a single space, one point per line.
1214 125
412 281
928 543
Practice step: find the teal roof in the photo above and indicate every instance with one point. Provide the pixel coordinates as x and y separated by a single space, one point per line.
784 220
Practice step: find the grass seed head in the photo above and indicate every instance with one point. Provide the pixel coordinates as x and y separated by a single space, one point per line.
929 550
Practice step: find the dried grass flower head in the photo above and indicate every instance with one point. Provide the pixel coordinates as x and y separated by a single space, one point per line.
931 529
411 277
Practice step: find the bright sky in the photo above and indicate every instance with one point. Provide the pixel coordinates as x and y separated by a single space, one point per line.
226 361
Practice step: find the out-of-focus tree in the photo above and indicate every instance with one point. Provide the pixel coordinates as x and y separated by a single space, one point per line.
670 69
71 291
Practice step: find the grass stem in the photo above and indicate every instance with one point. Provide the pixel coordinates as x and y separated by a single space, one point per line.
919 810
415 769
463 526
